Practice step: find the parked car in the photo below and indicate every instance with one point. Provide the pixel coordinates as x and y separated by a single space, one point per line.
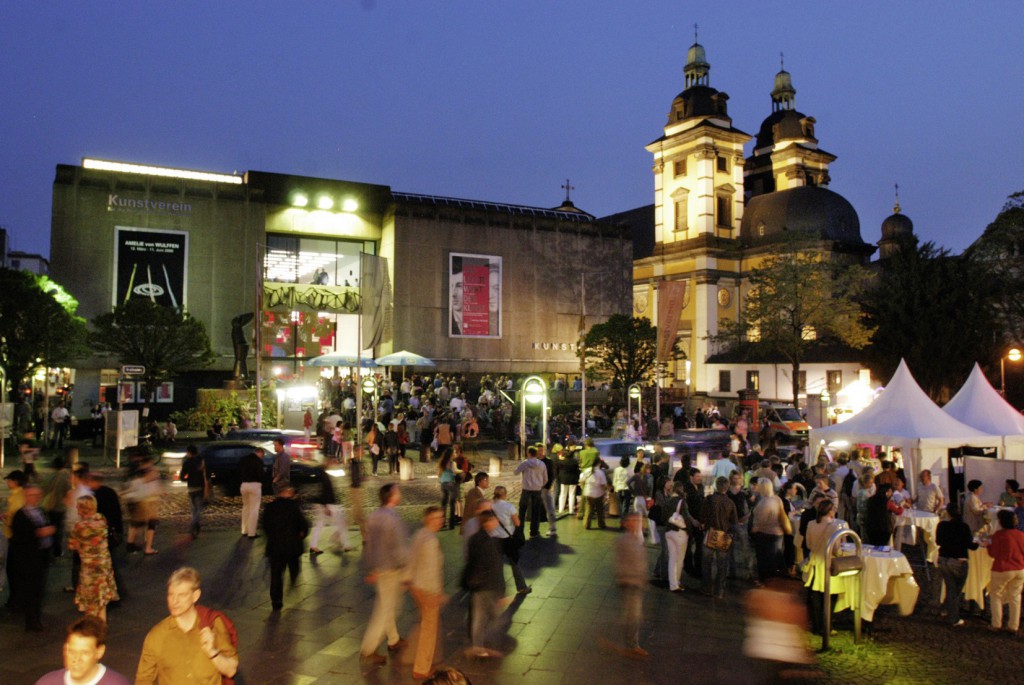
295 443
223 457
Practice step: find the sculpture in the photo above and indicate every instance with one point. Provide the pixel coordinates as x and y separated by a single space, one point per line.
239 341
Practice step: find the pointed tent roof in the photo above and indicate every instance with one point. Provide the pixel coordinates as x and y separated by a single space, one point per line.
980 405
903 415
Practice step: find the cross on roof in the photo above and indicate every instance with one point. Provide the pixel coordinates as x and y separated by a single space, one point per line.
782 61
695 33
567 188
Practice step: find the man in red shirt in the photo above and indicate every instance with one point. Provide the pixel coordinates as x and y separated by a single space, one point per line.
1007 552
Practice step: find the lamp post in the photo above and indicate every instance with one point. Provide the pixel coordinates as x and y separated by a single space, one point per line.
843 567
1014 355
369 386
825 399
635 393
3 415
534 390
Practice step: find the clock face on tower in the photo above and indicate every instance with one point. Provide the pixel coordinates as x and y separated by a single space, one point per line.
724 297
639 303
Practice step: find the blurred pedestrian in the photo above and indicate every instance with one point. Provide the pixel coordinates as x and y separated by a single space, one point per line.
30 552
631 579
286 528
385 556
193 474
426 585
89 539
328 511
251 471
484 578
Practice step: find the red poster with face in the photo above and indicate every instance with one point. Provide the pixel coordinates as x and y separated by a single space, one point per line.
475 299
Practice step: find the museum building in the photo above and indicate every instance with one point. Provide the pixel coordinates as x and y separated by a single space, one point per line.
475 286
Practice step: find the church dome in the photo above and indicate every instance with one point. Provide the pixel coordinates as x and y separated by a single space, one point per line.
696 57
811 209
897 225
785 124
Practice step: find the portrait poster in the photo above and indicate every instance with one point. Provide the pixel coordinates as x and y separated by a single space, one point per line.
126 392
474 296
164 392
150 264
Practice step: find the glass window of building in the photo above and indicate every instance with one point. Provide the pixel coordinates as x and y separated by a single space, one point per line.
724 381
753 380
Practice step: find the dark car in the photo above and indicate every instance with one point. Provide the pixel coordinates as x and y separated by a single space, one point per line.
295 442
222 460
714 441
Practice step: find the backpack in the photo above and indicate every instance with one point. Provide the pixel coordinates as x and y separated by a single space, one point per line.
206 618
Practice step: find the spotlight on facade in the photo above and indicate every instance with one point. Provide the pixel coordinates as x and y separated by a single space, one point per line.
350 205
324 202
300 200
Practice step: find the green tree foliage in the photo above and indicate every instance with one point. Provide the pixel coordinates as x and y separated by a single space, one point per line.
622 348
38 325
1001 249
934 310
164 340
799 298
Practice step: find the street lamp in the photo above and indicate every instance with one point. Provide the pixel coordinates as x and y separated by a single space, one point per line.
1014 355
635 393
534 391
3 402
369 387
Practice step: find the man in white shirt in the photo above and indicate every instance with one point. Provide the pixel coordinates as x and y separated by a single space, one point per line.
531 504
60 418
929 495
595 486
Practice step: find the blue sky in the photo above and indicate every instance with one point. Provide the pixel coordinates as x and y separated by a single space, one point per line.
502 101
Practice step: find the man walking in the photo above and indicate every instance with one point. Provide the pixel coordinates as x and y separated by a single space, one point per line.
193 473
286 527
426 565
192 645
545 492
484 578
631 577
595 487
31 545
281 475
385 555
60 418
718 517
531 504
84 646
250 470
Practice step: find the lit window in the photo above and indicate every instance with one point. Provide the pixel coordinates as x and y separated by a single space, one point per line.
808 333
754 334
753 380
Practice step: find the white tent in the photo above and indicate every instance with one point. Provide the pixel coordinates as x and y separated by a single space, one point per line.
980 405
904 416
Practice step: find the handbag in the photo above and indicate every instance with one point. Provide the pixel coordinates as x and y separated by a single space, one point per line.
515 540
718 540
677 519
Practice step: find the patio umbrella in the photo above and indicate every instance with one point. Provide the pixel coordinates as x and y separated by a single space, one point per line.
342 359
404 358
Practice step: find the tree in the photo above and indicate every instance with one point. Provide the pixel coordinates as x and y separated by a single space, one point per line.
164 340
933 310
1001 250
38 325
622 347
799 298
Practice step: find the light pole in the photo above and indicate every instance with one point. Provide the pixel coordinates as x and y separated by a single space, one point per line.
3 415
534 390
634 392
1014 355
368 386
825 399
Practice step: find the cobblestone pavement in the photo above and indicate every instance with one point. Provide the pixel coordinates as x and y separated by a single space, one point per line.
554 634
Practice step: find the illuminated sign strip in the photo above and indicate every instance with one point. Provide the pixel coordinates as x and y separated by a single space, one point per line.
123 167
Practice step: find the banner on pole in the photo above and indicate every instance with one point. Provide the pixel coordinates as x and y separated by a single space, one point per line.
671 295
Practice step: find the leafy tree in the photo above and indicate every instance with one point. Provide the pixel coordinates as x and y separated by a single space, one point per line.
164 340
38 325
934 310
1001 249
799 298
623 348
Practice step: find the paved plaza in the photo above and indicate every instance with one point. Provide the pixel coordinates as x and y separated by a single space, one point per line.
556 634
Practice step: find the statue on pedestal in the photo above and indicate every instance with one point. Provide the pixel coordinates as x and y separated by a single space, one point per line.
241 345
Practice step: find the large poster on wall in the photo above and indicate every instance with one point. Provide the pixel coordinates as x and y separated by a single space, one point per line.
474 296
150 264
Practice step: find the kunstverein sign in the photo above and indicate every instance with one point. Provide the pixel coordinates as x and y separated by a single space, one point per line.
670 306
474 296
150 264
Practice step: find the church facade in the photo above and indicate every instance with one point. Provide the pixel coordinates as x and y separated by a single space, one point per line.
718 211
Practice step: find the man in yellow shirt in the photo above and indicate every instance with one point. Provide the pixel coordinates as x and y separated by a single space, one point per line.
183 648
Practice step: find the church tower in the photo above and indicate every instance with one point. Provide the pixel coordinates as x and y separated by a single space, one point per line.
786 153
698 206
896 228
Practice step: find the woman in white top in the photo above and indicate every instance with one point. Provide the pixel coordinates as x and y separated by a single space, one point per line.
768 524
508 521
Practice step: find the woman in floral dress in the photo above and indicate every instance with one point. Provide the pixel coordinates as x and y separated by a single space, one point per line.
96 585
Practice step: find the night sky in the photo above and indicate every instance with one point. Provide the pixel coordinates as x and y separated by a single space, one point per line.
502 101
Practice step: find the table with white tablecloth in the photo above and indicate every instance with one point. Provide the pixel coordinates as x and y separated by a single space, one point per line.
887 579
926 524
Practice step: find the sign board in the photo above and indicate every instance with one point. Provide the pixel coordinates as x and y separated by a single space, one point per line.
133 370
129 434
150 264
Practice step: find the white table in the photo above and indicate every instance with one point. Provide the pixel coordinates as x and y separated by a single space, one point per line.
926 522
887 579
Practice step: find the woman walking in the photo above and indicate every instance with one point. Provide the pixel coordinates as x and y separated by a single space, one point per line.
769 523
449 487
96 586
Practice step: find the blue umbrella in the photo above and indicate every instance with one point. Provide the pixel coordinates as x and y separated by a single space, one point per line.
342 359
404 358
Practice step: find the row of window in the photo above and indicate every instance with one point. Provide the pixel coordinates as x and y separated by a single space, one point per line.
679 166
833 381
723 212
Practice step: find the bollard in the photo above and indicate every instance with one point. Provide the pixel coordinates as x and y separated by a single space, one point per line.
405 469
495 467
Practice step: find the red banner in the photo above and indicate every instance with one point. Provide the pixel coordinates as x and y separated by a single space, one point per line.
670 307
